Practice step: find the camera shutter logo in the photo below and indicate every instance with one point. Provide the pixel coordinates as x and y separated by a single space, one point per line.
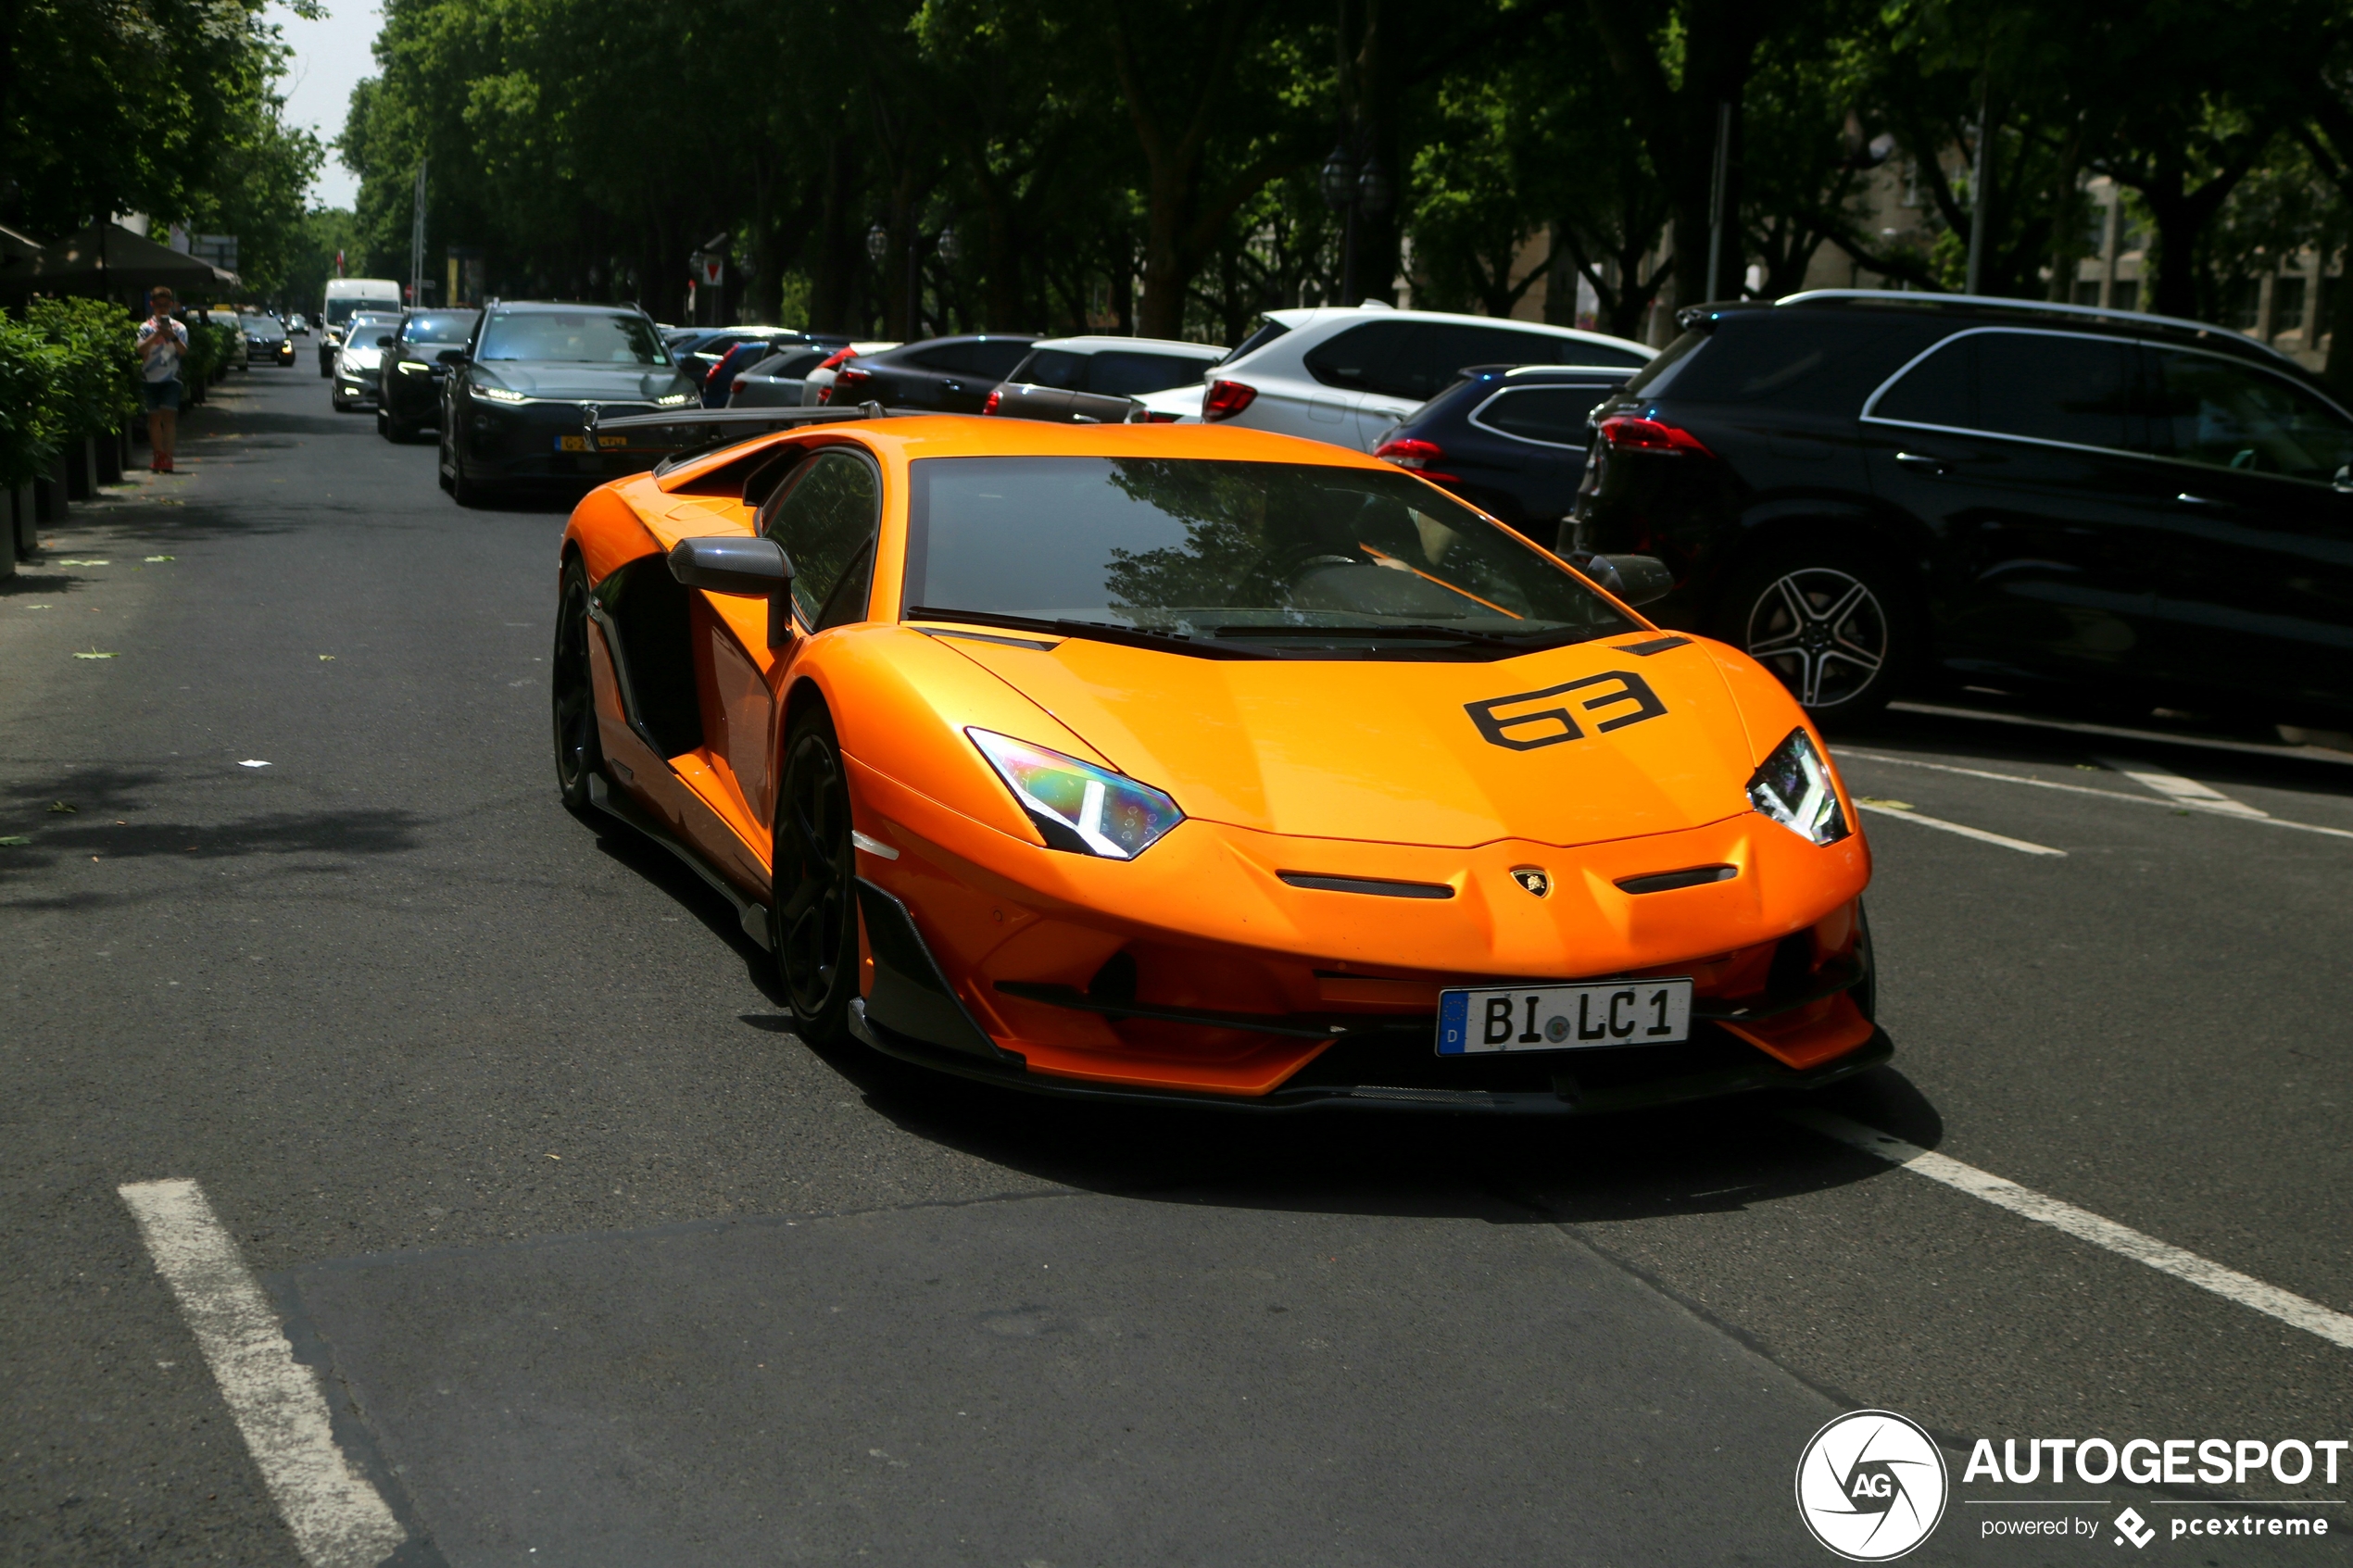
1871 1485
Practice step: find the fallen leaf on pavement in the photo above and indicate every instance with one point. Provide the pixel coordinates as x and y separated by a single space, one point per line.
152 559
326 658
58 807
1891 804
14 841
253 762
84 563
93 653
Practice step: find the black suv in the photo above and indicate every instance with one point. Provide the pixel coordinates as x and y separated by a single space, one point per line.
524 397
1866 490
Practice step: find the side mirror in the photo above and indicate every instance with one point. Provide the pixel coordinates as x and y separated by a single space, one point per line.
451 357
751 569
1634 579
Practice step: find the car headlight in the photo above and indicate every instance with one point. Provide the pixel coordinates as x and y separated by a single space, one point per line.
499 395
672 399
413 367
1079 807
1793 786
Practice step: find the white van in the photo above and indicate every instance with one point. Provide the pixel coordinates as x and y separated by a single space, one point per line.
343 296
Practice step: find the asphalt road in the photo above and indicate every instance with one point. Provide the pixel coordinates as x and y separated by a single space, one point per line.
600 1265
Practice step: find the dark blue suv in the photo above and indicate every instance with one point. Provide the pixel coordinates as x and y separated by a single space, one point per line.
1511 440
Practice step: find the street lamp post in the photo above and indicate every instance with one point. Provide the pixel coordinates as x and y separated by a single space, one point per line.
1349 186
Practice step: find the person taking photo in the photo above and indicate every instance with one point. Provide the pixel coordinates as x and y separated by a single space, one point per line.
162 342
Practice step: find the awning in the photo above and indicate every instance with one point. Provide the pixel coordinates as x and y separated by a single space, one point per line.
108 259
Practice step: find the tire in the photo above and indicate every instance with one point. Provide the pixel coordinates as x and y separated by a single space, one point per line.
1832 622
383 427
813 918
398 431
579 753
442 465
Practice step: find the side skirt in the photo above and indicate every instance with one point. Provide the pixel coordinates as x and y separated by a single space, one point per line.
750 914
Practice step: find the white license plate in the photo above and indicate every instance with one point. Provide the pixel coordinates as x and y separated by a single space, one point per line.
1564 1018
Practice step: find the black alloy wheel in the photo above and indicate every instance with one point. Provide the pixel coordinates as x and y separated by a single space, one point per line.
579 754
812 921
1829 623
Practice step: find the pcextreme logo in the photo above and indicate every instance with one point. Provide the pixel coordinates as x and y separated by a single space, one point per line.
1871 1485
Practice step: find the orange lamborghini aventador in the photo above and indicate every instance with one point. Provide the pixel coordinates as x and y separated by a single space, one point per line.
1179 763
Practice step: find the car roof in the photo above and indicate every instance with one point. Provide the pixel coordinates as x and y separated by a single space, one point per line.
506 307
1319 315
1103 343
1989 309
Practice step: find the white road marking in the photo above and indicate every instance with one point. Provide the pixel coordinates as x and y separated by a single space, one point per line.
336 1516
2021 845
2270 1299
2173 786
2116 795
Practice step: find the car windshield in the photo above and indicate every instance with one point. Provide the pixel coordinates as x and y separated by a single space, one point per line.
575 337
442 329
341 310
1291 558
363 330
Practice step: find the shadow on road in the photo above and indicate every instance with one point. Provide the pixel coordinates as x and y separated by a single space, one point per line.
100 826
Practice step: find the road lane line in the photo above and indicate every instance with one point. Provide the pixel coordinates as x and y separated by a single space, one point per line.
2116 795
2270 1299
2173 786
1909 815
337 1518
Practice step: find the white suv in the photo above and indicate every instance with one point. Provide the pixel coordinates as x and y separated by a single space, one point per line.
1346 375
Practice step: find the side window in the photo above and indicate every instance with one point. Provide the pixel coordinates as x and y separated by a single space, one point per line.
1120 374
1551 414
996 359
1358 357
1056 367
824 517
952 358
2210 411
1934 391
2056 388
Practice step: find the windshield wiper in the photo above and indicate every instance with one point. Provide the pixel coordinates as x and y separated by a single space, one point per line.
1409 632
1095 631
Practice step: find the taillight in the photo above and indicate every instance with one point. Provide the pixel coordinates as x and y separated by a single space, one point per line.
736 385
1409 453
1154 417
832 361
1630 434
995 397
1226 399
706 375
852 376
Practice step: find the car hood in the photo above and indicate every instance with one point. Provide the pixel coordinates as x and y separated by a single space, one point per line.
1439 754
615 383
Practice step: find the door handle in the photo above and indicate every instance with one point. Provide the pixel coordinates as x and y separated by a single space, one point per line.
1922 460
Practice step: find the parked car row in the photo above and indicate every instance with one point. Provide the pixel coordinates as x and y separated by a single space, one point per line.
1869 492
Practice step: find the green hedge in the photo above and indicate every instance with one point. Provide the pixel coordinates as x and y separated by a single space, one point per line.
68 367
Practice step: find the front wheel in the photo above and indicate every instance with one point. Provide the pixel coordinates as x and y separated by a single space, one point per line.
1829 621
812 919
579 753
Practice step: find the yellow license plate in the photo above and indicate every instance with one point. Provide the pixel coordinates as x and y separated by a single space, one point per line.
591 443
